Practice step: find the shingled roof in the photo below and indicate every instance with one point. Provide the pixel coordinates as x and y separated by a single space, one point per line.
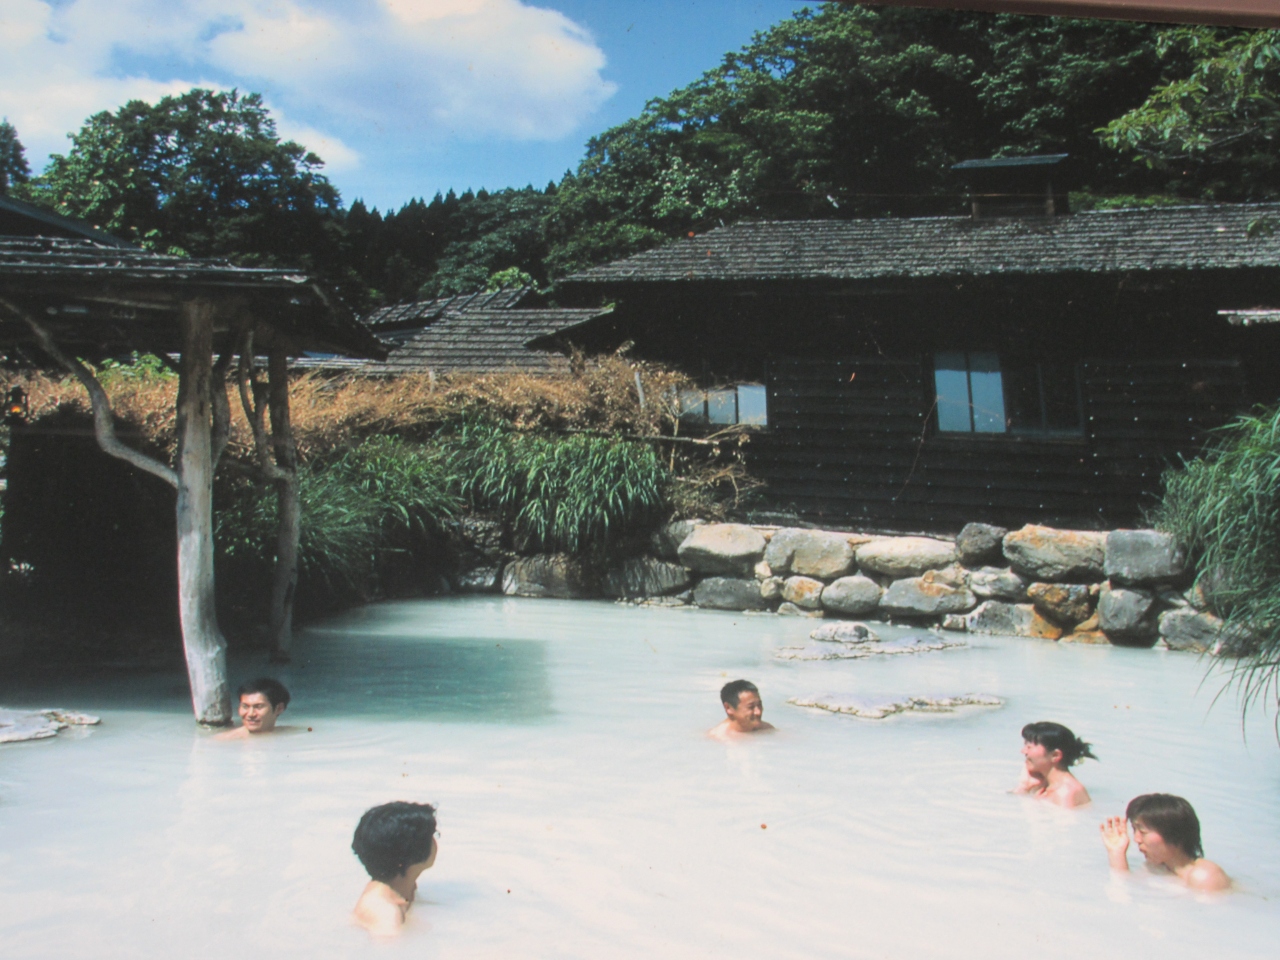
1209 237
420 313
124 297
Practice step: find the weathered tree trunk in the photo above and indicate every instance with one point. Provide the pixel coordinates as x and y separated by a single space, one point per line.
205 647
289 529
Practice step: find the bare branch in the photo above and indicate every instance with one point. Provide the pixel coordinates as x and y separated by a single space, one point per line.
251 399
103 424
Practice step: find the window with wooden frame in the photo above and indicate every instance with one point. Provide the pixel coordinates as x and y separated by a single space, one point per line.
980 392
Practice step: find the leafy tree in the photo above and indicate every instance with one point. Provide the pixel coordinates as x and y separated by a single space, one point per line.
203 173
1218 124
13 160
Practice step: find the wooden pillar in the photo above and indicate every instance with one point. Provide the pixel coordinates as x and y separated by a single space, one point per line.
289 509
205 647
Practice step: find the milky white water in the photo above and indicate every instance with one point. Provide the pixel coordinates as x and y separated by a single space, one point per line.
583 814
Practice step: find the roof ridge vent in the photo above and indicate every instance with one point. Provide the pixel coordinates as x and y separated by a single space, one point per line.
1030 186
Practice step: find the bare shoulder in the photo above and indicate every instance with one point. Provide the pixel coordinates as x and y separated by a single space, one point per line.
1075 795
720 731
1207 875
379 910
237 733
765 727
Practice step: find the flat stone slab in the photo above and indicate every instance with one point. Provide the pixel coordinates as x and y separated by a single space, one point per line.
877 708
19 725
844 631
835 650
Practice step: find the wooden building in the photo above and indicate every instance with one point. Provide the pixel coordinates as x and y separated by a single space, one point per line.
922 373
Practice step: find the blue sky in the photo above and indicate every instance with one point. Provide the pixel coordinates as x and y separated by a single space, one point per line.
401 98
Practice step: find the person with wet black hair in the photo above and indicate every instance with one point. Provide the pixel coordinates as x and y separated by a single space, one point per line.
743 710
1049 750
1167 832
261 703
396 842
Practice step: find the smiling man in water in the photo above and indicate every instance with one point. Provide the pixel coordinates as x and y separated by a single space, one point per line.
743 709
261 703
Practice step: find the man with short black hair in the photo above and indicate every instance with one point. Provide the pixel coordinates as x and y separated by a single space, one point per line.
743 709
396 842
261 703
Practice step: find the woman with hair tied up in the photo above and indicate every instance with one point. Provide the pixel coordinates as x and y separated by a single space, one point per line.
1167 832
1049 750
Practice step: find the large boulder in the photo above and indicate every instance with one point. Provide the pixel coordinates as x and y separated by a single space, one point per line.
548 575
1186 629
805 592
1063 603
1128 615
852 596
993 583
905 556
1011 620
729 593
483 579
665 541
731 549
1139 557
644 577
925 596
1051 555
979 543
809 553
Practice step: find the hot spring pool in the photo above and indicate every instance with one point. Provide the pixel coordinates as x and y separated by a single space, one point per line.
583 814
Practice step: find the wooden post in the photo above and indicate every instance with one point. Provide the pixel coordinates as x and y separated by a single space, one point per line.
289 508
205 647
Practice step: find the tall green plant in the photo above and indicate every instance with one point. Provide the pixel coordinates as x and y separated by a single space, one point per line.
1225 506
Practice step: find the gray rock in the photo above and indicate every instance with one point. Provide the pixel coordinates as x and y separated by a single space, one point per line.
728 593
789 609
1128 615
955 622
644 577
809 553
1139 557
979 543
852 596
19 725
1063 603
1051 555
1184 629
905 556
548 575
877 708
844 631
925 597
762 571
478 580
992 583
1011 620
915 643
664 542
803 592
729 549
771 589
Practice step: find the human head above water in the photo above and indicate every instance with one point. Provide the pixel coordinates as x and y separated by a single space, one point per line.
734 689
392 837
1171 817
275 691
1054 736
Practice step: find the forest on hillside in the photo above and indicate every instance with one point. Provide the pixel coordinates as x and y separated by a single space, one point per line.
840 111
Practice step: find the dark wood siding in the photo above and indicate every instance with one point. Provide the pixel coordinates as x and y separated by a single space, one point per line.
853 442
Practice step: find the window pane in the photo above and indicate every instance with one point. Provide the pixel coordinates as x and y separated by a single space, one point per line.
1061 396
722 406
752 404
951 383
693 405
1022 396
987 392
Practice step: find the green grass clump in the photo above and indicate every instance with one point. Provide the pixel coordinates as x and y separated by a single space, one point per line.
1225 507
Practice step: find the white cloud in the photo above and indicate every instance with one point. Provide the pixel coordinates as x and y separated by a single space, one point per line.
343 77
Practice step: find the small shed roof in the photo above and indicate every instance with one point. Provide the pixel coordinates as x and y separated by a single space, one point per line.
21 219
112 297
420 313
1207 237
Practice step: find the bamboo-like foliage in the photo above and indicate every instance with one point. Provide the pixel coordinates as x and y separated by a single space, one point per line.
577 494
1225 506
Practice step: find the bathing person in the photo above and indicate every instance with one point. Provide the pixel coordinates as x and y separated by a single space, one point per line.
261 703
1168 834
395 842
742 711
1049 750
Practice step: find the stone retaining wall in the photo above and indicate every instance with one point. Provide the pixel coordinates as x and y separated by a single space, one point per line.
1125 587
